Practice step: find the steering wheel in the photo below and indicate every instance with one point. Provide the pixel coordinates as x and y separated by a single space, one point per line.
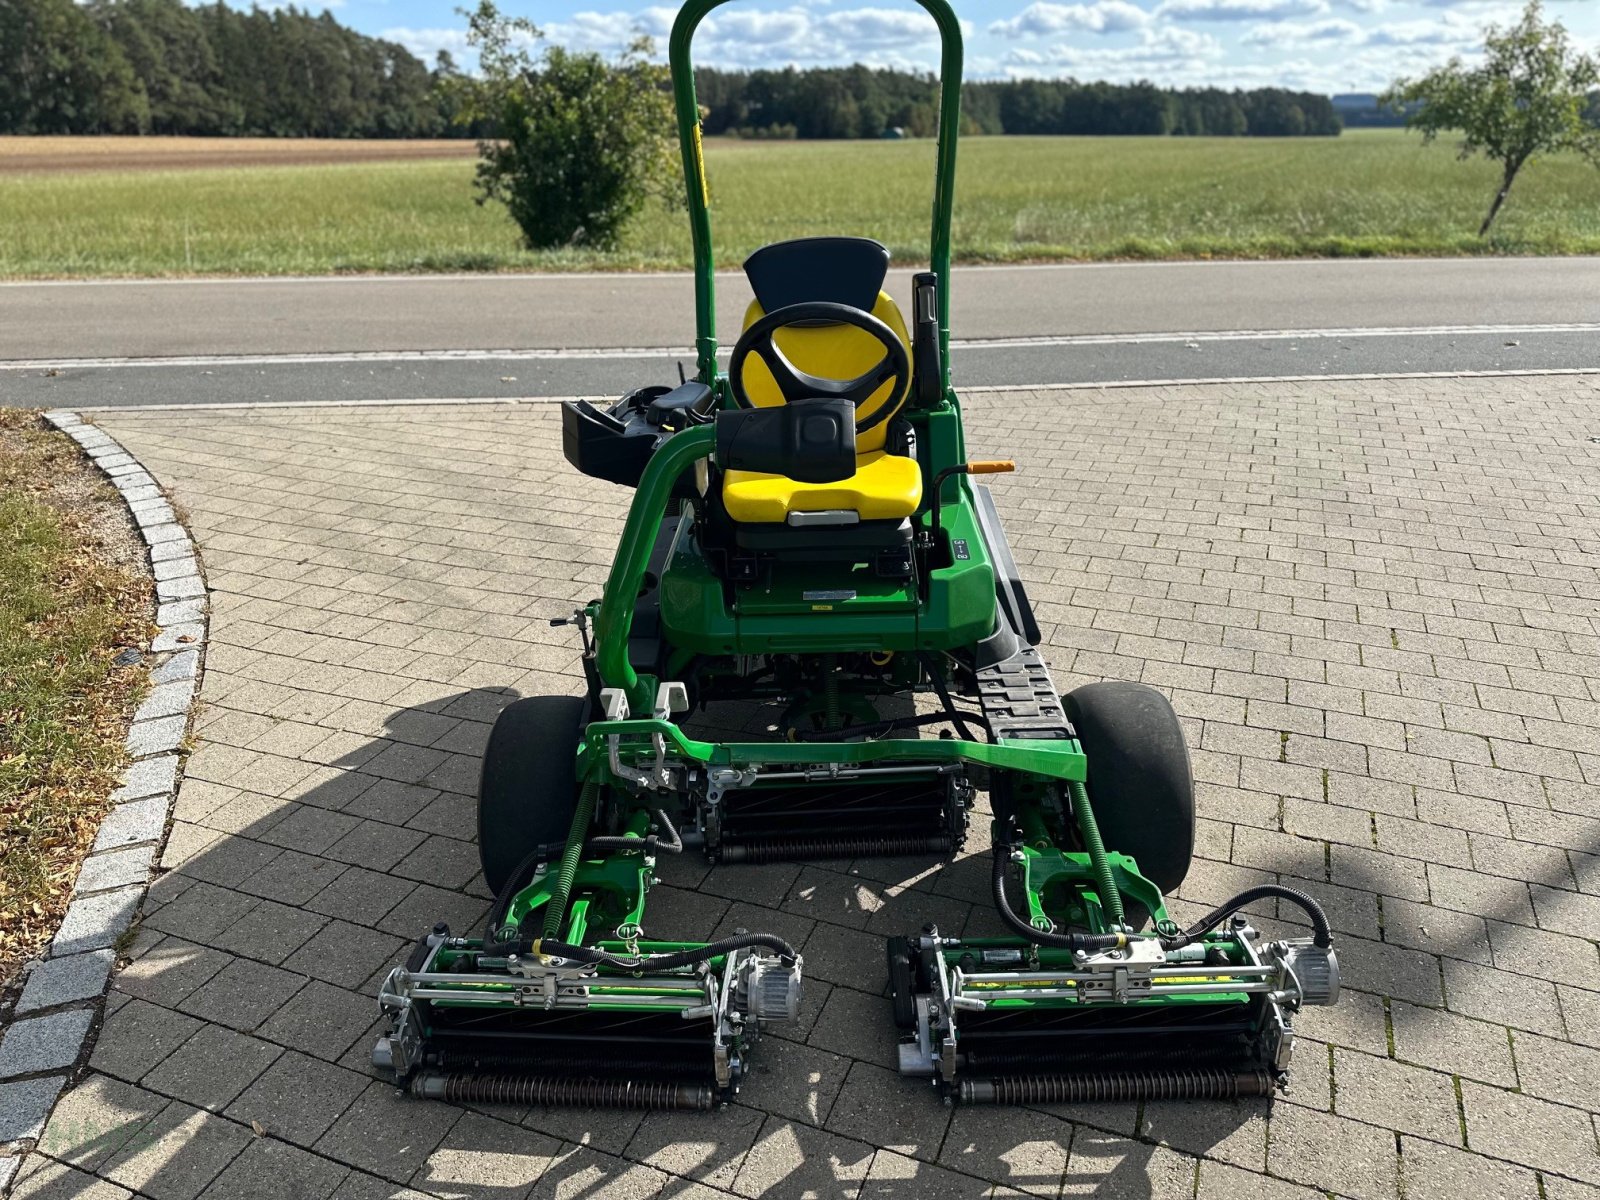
795 384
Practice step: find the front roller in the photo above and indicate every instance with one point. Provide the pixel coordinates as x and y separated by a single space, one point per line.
1098 995
564 1001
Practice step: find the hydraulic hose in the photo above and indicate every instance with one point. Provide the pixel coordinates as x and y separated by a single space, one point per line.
671 844
1105 882
681 958
950 709
1321 934
1041 937
555 912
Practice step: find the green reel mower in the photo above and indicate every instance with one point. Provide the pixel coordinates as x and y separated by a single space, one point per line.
806 538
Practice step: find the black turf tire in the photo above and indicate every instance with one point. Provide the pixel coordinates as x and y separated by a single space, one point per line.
528 790
902 983
1140 782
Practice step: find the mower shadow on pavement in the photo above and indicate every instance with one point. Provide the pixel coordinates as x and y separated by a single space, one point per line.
292 886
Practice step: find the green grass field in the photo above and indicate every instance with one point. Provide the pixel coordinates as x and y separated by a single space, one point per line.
1366 193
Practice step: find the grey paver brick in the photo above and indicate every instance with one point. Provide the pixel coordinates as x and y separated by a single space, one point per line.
1435 1172
298 1098
1219 1181
64 980
895 1177
869 1092
43 1043
345 954
177 1153
243 994
793 1159
170 970
1106 1164
1531 1132
485 1159
1435 1038
211 1068
272 1170
1396 1096
1316 1148
385 1134
1018 1148
42 1179
97 1118
584 1174
670 1141
321 1020
1519 1001
24 1106
137 1037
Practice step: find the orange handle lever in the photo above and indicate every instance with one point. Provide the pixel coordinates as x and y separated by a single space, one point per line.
992 466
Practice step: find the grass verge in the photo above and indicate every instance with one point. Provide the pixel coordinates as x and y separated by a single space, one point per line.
72 595
1368 193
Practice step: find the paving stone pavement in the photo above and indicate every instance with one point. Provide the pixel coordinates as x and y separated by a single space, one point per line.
1374 604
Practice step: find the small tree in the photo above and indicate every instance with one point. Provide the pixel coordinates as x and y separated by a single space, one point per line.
579 144
1528 98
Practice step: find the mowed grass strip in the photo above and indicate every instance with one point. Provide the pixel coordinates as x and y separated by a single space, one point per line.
71 596
1375 192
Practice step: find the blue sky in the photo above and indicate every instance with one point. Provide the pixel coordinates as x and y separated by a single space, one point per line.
1320 45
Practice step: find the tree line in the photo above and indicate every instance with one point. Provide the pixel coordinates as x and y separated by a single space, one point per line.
864 102
161 67
158 66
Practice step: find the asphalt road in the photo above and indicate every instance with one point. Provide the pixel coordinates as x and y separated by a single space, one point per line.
376 338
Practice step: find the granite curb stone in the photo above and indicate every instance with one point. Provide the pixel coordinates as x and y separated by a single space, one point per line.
60 1000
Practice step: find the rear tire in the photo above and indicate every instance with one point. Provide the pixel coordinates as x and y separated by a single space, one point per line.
1140 782
528 791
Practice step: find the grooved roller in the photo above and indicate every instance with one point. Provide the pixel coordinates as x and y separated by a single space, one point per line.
1111 1086
468 1087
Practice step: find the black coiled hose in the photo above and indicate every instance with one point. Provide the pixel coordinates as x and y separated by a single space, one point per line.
670 844
1321 934
1041 937
666 962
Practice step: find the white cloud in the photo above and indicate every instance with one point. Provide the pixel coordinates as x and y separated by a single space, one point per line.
1042 20
426 43
1165 55
1241 10
1335 31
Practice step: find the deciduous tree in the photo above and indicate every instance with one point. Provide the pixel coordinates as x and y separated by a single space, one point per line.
1526 98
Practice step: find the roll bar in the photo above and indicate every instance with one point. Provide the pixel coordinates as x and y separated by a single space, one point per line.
698 195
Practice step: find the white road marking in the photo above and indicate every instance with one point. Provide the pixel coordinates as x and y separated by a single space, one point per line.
635 352
1038 387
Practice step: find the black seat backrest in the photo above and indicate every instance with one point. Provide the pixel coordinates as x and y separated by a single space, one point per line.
841 270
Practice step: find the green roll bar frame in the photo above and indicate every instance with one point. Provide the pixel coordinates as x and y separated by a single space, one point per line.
699 195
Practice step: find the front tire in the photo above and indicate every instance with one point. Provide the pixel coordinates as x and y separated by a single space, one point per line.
1140 781
528 791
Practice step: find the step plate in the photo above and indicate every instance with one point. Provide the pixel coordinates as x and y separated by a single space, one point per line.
1020 701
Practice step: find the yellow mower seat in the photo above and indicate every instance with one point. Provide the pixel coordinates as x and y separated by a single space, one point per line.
885 486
